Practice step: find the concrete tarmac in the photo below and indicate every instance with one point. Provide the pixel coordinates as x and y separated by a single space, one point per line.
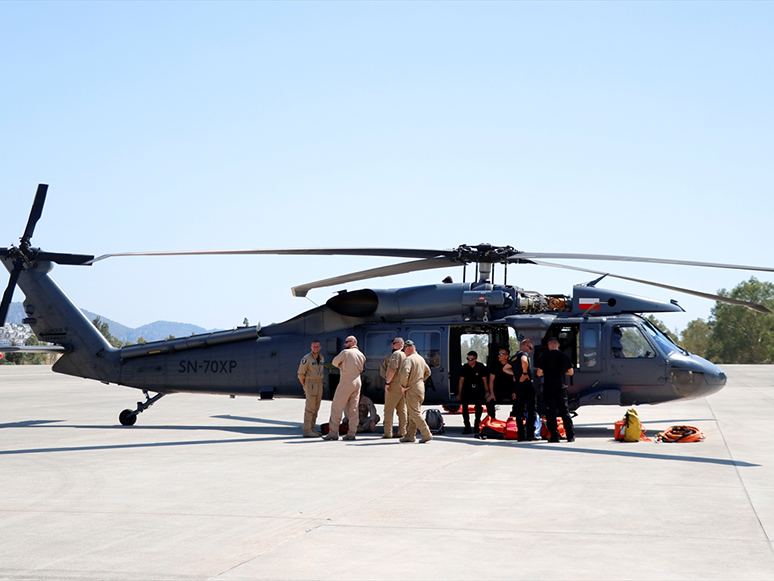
207 487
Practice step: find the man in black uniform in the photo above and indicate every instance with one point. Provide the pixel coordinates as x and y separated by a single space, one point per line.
501 382
553 366
524 396
473 389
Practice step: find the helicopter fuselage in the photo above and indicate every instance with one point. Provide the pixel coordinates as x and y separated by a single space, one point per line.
619 357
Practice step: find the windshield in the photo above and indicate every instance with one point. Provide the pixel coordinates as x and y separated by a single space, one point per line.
666 344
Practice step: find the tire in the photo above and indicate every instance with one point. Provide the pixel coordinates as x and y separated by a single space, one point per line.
127 418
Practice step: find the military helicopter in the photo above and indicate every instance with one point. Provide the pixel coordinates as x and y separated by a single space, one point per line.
620 358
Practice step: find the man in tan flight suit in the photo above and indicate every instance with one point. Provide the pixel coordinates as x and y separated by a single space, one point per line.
393 394
351 362
412 381
310 374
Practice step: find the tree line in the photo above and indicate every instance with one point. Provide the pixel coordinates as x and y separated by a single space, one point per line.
735 334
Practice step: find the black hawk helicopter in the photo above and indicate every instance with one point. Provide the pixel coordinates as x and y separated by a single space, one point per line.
620 358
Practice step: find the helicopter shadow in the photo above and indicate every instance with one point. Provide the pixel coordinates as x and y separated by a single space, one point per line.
574 448
276 430
28 424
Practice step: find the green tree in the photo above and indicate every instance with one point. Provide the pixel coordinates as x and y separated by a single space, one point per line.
738 334
474 342
26 358
104 328
661 327
696 337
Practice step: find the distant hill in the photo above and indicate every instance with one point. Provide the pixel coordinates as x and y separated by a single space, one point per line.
151 332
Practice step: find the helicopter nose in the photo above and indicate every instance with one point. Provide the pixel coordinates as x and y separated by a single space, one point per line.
692 377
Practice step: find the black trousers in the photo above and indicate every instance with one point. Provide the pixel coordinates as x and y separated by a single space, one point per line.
476 397
524 408
556 406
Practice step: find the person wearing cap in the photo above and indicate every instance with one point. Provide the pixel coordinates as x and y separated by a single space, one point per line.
351 362
553 367
394 401
310 374
413 374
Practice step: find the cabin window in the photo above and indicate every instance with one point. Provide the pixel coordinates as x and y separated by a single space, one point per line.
628 342
428 344
589 348
570 341
378 344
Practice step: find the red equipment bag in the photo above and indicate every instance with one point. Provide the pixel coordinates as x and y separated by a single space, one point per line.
559 428
511 429
491 428
451 408
620 425
326 428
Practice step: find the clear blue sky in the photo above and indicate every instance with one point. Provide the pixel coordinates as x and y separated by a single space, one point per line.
633 128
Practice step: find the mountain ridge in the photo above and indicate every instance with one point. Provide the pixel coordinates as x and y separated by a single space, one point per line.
156 331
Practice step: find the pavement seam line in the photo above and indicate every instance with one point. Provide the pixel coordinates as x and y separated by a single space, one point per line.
739 476
259 555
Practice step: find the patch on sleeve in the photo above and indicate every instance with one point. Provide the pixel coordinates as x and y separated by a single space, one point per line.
303 361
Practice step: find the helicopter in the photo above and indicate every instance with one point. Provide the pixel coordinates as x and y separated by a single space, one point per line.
619 357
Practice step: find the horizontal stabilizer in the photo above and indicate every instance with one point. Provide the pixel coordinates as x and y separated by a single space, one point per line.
33 349
192 342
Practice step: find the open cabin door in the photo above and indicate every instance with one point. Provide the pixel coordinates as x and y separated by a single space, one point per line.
485 340
432 342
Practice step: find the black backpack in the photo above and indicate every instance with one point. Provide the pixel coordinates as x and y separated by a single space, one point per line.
434 421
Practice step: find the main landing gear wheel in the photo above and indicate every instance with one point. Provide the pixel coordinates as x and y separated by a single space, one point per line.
127 418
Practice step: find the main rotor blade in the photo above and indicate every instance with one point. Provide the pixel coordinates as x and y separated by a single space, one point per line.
727 300
612 257
35 213
394 252
60 258
5 304
425 264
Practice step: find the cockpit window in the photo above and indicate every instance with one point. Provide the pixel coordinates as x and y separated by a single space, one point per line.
628 342
666 344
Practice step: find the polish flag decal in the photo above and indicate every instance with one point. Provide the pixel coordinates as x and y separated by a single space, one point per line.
586 304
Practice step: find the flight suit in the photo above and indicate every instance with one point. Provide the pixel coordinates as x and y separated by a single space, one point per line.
311 371
412 376
394 401
351 362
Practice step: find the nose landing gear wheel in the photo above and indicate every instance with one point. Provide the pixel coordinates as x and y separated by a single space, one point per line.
127 418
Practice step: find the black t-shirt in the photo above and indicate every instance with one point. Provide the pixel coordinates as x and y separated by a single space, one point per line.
554 365
473 377
518 369
502 380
